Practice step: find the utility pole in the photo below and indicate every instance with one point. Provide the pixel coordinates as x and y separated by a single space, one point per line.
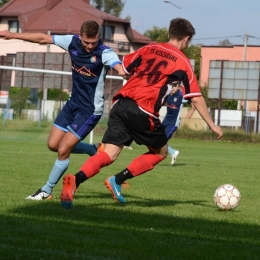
245 46
244 59
48 49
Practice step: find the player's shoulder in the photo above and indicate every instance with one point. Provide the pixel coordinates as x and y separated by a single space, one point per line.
179 94
65 37
154 45
103 47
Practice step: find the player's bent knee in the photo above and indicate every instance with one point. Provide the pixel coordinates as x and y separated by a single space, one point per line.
64 152
52 147
113 158
164 155
164 152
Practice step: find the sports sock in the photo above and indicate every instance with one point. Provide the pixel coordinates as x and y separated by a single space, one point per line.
84 148
171 150
57 171
80 177
123 176
93 164
144 163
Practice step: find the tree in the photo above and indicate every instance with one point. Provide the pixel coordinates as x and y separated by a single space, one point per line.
157 34
193 52
113 7
3 2
225 42
128 18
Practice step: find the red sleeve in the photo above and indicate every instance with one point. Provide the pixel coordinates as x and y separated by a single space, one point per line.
132 61
190 86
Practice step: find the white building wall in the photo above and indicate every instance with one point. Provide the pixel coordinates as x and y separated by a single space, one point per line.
14 46
119 34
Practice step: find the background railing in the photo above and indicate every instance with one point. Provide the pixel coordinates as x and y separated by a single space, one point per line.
24 114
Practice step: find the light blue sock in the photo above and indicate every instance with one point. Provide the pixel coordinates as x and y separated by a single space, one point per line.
171 150
57 171
85 148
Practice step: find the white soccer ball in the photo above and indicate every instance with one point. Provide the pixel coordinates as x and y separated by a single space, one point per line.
227 197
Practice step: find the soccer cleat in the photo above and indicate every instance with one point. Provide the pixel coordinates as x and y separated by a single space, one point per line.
68 191
40 195
100 147
115 189
174 157
125 185
128 147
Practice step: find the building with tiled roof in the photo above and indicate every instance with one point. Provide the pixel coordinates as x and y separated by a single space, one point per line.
64 17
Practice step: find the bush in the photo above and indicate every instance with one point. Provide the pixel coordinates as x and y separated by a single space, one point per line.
228 135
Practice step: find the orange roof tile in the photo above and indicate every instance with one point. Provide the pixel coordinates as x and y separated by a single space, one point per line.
62 16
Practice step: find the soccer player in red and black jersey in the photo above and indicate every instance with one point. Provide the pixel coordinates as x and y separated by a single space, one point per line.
135 112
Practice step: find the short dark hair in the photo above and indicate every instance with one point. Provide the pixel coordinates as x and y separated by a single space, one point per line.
90 28
180 28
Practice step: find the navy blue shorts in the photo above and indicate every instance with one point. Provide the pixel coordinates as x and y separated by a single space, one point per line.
169 130
76 121
127 123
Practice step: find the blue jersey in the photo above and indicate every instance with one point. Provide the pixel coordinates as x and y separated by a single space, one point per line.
174 105
88 72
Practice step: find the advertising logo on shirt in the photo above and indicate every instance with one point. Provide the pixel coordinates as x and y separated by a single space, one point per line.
84 71
93 59
172 106
74 52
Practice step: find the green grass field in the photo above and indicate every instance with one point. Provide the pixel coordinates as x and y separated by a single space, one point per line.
169 212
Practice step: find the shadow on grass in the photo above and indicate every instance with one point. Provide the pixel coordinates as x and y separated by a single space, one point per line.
164 163
106 230
140 201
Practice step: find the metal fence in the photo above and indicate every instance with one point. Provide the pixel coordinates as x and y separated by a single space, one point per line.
24 104
26 114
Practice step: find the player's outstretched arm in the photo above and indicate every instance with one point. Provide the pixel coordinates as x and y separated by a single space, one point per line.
30 37
191 112
200 105
120 70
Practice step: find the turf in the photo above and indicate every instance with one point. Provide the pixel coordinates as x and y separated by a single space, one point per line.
169 212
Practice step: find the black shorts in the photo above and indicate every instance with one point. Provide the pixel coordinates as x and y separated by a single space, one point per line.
128 123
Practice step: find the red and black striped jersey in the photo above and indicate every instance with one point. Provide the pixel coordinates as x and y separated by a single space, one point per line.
153 68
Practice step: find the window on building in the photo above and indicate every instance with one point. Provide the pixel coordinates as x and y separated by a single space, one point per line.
107 32
14 26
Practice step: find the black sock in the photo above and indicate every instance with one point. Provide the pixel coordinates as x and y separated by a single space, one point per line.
122 176
80 177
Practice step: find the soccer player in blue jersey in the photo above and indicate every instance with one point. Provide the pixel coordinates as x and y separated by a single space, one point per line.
90 61
171 120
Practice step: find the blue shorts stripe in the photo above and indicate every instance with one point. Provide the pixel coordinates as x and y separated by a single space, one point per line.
169 131
88 123
61 128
